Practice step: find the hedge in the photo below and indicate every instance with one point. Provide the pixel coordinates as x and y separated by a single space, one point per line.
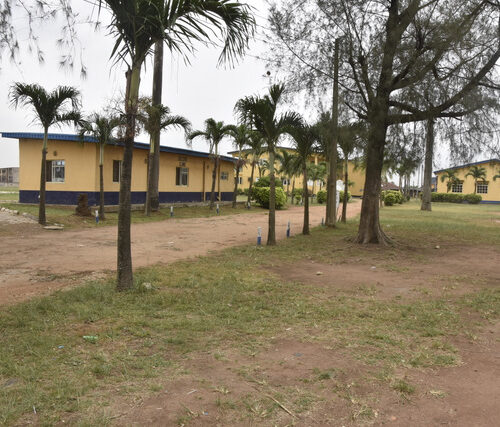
391 197
321 196
456 198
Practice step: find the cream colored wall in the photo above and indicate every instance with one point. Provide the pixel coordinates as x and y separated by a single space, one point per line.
492 169
82 168
81 173
356 175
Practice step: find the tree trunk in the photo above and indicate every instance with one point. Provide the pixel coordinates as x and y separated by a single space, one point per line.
101 183
287 188
271 236
429 154
214 177
43 180
235 193
369 225
305 228
346 190
125 276
293 191
249 199
153 193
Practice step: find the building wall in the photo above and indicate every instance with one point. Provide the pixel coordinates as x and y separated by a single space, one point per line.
492 169
82 174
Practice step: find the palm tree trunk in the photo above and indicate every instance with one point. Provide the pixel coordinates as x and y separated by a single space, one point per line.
251 184
125 278
331 208
293 191
236 179
101 182
153 194
305 228
43 179
271 236
287 188
429 154
214 177
346 189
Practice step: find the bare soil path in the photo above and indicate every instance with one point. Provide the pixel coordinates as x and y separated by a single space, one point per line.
35 262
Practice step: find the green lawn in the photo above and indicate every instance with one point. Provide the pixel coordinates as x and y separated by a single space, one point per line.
229 301
9 193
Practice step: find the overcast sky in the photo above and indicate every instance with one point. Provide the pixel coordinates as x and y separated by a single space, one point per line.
197 91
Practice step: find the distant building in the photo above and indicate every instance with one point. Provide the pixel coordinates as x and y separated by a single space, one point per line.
355 172
488 188
9 176
73 168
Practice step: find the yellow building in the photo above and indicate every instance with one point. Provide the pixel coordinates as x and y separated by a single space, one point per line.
356 174
73 168
488 189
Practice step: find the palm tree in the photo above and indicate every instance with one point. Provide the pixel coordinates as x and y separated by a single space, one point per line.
316 173
154 119
261 112
241 138
50 109
477 173
287 168
304 139
101 128
256 150
496 176
451 176
137 25
214 133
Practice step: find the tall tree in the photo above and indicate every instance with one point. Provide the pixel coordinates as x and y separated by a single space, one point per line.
137 25
477 173
51 109
304 140
155 118
256 150
241 139
213 133
395 48
261 112
101 128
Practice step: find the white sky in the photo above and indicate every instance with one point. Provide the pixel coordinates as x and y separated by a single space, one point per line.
197 91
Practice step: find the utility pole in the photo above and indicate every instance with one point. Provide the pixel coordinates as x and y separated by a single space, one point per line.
331 205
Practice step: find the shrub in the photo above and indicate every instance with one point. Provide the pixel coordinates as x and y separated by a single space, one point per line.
240 191
449 197
261 196
297 194
265 181
341 196
473 199
390 198
321 196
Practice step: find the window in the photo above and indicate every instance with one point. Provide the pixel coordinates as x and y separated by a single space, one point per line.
55 170
181 177
240 180
457 188
224 176
117 170
285 181
482 188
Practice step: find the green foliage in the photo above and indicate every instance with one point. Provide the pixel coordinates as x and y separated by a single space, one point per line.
473 199
392 197
261 196
341 196
321 196
297 194
265 181
447 197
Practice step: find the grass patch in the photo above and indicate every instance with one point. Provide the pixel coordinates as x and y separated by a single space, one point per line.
9 193
66 215
218 303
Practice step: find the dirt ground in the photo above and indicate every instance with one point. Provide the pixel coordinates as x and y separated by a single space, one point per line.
463 395
34 261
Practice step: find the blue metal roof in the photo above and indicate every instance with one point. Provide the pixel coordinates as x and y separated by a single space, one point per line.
467 165
138 145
